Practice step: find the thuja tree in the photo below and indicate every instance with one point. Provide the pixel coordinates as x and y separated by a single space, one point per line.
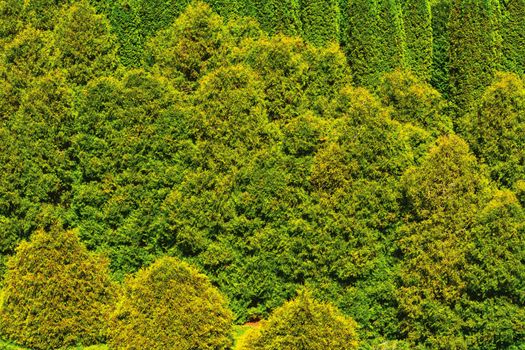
43 14
126 26
36 166
86 48
170 303
474 50
417 21
127 133
279 16
376 40
391 31
414 101
442 196
440 45
10 19
29 55
233 8
492 307
55 293
356 181
186 49
320 20
513 35
362 43
303 323
496 129
296 75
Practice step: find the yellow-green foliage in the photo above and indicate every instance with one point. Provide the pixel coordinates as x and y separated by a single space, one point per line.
170 305
9 19
496 129
414 101
185 48
86 49
56 293
27 56
303 324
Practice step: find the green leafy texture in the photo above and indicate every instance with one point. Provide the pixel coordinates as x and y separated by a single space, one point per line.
135 22
343 22
496 129
391 30
170 303
440 45
126 26
43 14
296 75
414 101
494 314
86 49
474 51
215 207
230 9
28 56
442 196
37 172
232 111
417 19
354 174
127 136
302 324
156 15
519 190
363 44
10 19
185 50
279 16
513 36
376 41
320 19
56 293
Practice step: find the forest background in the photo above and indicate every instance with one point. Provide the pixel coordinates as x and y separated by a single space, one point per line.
372 151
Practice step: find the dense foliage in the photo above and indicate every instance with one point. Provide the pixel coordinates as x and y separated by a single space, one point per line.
170 303
56 293
371 151
302 324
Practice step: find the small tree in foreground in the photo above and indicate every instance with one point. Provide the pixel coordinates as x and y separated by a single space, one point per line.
56 293
303 324
170 304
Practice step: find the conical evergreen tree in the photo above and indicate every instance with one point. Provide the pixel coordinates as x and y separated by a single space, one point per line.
320 20
376 42
56 293
496 129
443 195
474 51
513 36
303 324
278 16
393 51
417 20
86 48
492 306
185 49
363 44
440 45
170 304
414 101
